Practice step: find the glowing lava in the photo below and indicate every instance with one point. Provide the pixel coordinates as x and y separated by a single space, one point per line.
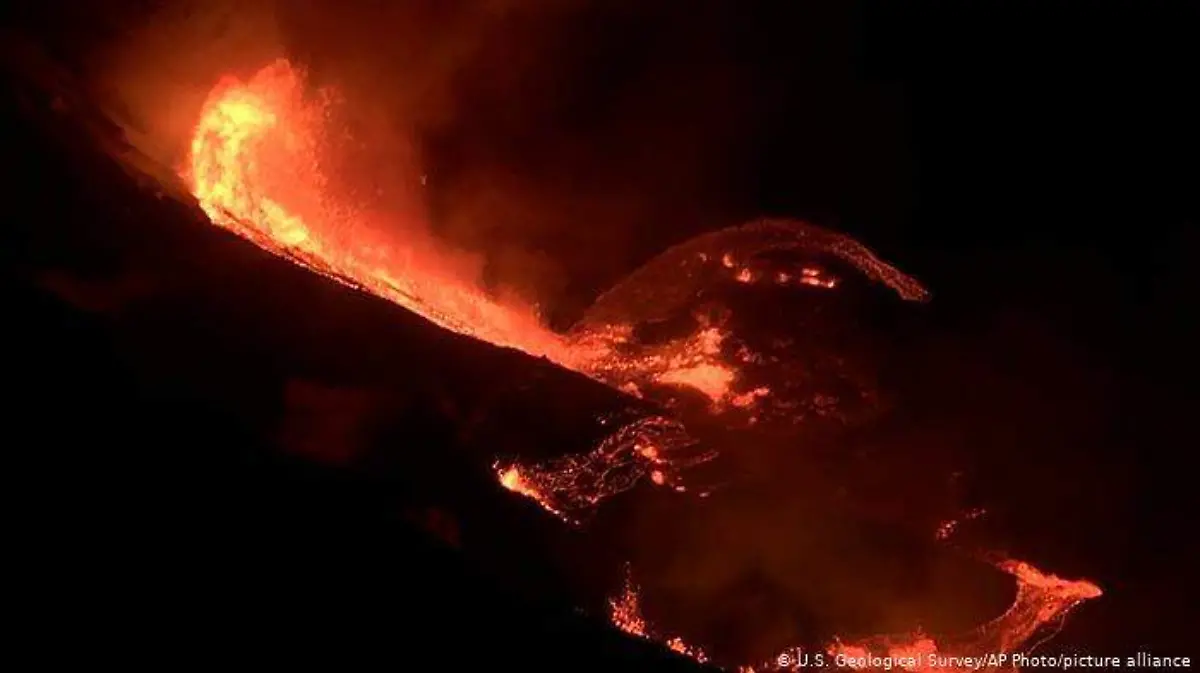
572 485
625 612
1042 600
257 168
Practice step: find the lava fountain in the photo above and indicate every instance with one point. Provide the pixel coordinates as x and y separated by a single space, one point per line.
256 169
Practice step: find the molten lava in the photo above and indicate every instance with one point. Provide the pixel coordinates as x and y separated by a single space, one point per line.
1042 599
569 486
625 612
258 168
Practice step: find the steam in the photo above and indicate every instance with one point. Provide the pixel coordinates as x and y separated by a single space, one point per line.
156 76
474 119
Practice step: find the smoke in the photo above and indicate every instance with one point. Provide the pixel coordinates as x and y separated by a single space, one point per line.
157 72
560 144
575 143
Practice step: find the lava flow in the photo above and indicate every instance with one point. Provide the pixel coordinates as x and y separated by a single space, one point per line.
625 612
256 168
1042 599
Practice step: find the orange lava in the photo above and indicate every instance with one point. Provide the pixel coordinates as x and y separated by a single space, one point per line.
258 168
1042 601
695 362
948 528
570 486
625 612
512 479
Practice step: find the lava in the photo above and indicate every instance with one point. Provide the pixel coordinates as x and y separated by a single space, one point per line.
949 527
572 485
258 167
625 612
1042 599
512 478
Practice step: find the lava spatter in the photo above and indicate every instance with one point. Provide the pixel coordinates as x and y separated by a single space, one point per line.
256 168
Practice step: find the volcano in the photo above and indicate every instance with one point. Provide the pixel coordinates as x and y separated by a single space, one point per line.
399 398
